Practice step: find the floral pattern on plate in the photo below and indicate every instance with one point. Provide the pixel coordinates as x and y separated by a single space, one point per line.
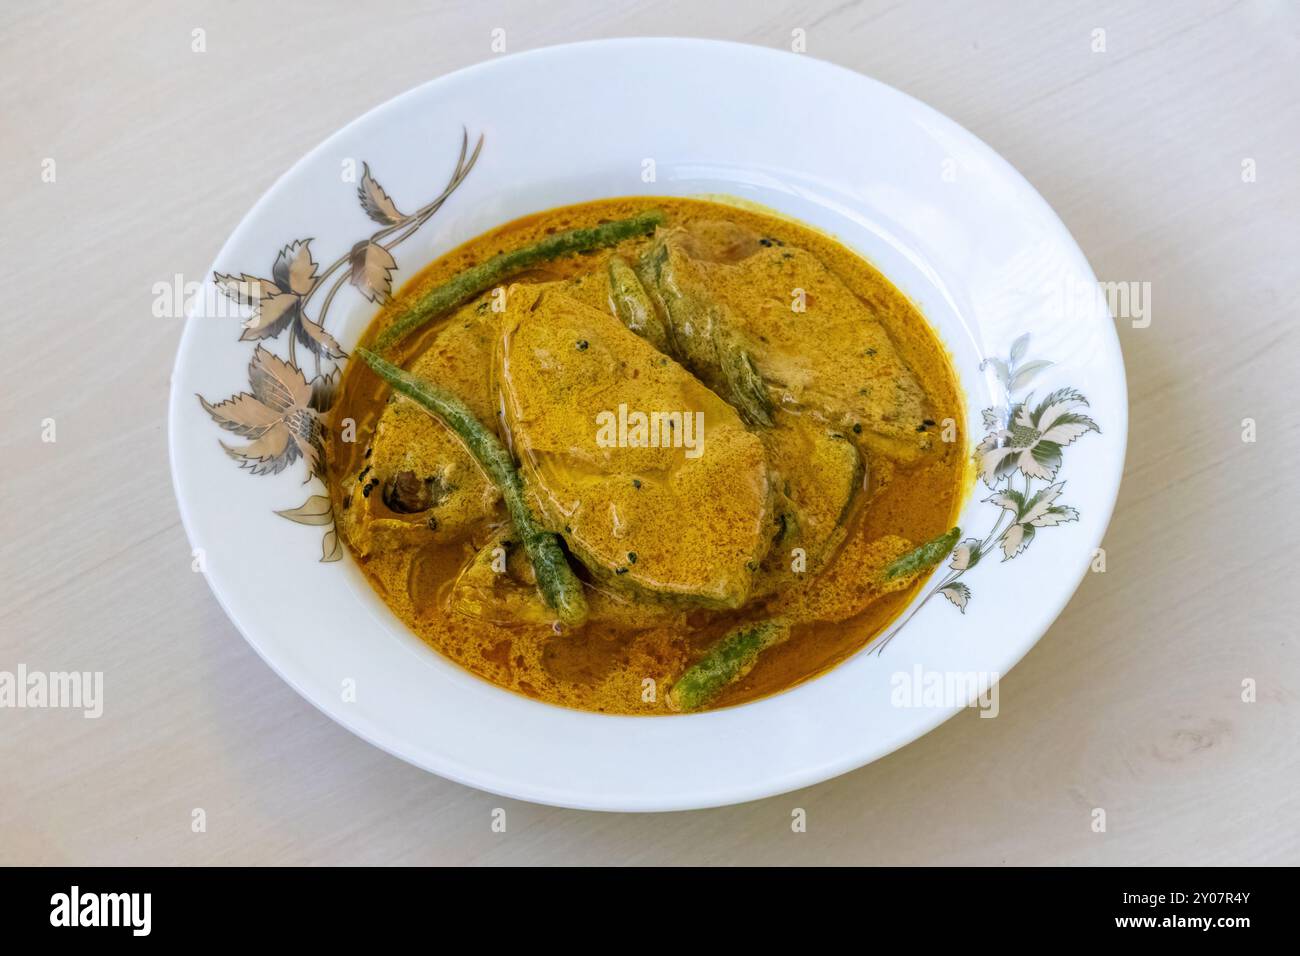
284 415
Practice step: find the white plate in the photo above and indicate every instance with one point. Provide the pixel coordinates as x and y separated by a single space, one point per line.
951 223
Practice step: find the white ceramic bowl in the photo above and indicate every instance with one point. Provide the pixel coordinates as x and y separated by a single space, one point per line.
943 216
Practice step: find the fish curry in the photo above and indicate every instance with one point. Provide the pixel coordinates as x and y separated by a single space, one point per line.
644 457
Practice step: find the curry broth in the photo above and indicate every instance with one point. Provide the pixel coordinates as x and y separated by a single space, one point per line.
599 667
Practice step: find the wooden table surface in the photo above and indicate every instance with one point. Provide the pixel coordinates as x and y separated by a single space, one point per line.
1133 701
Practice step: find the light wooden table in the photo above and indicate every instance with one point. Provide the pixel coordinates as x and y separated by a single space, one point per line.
1132 703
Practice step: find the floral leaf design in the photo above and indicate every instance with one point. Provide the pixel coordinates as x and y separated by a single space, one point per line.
1015 539
1071 396
377 204
284 415
1030 513
1034 508
966 555
1057 514
957 593
244 289
331 548
316 510
1019 347
276 416
1010 499
318 341
272 315
372 270
1043 462
1026 374
1022 438
295 269
277 303
1059 422
1034 441
272 308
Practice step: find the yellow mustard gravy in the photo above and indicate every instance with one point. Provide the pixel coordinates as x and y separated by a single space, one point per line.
793 520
